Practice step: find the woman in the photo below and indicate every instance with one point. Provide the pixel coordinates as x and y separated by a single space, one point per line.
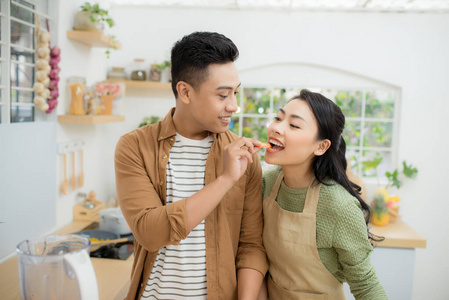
315 229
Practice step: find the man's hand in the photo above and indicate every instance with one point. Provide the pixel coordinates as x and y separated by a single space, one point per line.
236 157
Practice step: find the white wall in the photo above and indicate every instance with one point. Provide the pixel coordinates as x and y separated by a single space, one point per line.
405 50
26 197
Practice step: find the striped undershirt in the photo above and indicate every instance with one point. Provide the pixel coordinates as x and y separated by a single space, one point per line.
180 270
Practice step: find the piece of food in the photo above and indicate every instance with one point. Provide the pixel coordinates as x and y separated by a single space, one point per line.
264 145
93 239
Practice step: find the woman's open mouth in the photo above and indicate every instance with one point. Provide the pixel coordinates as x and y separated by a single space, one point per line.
276 146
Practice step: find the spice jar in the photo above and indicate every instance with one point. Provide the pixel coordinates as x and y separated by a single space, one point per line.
138 72
117 73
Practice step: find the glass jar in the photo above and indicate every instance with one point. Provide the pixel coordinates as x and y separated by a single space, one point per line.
76 86
117 73
138 72
155 73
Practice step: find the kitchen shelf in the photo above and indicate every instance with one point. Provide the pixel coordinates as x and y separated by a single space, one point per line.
93 38
83 119
151 85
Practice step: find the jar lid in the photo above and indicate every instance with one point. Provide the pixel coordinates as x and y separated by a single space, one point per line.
118 68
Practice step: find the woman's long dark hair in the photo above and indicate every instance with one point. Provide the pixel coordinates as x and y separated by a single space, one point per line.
332 164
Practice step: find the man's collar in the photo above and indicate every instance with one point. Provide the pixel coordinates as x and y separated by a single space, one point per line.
167 126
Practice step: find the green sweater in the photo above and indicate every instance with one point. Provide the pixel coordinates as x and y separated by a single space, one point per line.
341 234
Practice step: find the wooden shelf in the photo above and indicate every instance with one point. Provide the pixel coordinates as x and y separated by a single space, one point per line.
135 84
93 38
83 119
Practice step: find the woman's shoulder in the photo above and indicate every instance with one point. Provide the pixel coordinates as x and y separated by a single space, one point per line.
337 198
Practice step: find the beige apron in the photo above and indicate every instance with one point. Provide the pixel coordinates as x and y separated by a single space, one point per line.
296 271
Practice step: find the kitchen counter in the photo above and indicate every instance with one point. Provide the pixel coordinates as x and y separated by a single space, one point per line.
390 257
112 274
398 235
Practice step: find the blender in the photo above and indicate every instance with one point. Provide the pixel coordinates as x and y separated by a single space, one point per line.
56 267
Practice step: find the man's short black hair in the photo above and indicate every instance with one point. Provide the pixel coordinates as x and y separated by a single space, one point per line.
192 55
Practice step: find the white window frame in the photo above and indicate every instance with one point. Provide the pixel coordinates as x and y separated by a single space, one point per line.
5 59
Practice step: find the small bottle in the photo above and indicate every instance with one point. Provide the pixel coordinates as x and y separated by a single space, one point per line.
138 72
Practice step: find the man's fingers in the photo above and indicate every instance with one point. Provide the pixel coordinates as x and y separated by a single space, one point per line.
246 143
244 147
244 153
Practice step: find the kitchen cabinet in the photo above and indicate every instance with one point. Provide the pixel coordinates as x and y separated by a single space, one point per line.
93 39
394 259
85 119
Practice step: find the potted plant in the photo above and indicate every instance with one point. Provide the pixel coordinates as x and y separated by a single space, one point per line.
92 17
381 216
394 179
160 72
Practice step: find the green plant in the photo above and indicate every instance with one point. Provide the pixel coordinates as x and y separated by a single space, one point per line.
114 45
395 177
96 10
149 121
408 170
162 66
99 15
379 205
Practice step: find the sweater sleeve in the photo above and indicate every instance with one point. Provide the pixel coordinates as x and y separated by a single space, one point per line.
352 245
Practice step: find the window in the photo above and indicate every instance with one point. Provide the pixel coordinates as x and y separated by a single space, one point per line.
371 124
17 58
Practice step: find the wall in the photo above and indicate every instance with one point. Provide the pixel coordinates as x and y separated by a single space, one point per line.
26 198
405 50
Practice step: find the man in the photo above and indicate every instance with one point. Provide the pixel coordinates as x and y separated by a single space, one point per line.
190 189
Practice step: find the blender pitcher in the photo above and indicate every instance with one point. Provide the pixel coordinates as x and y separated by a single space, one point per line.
56 267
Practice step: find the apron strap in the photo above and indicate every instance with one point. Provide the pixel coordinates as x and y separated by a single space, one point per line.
312 196
275 188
